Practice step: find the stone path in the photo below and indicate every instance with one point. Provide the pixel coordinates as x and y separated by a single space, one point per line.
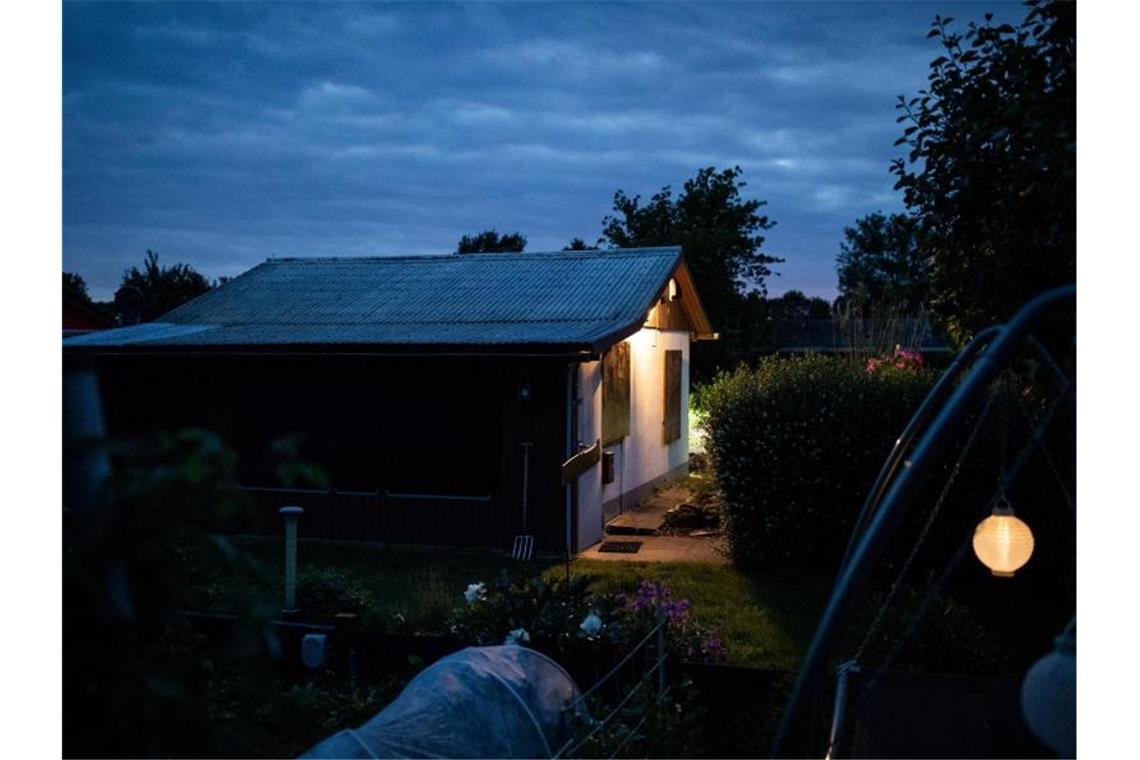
646 518
664 549
642 523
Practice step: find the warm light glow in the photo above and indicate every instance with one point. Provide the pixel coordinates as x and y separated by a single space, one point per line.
1003 543
674 290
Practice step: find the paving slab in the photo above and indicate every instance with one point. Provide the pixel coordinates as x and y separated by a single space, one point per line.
706 549
647 517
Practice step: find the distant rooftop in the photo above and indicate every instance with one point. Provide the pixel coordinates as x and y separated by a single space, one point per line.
579 299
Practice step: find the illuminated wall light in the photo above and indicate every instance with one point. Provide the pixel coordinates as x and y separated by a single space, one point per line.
1002 542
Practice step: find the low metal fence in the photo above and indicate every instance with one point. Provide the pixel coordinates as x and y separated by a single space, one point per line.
614 691
379 516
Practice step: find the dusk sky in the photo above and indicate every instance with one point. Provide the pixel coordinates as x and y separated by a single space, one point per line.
222 134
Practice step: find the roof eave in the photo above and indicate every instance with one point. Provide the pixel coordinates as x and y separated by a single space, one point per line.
575 351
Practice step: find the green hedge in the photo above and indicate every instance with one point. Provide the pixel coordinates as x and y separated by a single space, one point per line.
796 443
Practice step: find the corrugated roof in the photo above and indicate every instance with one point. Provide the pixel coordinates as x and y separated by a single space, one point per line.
579 299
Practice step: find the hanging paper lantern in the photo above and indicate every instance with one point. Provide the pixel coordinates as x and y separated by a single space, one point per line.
1002 542
1049 697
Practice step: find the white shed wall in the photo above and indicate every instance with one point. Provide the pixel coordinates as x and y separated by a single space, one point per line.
642 458
590 521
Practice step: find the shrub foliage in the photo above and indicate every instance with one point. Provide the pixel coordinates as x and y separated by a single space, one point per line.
796 443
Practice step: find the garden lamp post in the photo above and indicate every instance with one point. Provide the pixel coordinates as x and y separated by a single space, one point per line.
291 515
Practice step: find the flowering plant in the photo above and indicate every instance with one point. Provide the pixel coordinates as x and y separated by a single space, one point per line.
566 618
908 361
591 624
686 637
516 637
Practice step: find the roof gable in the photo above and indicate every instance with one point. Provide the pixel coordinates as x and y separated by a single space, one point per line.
581 299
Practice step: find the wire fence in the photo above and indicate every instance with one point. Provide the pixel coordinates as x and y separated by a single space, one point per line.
649 657
379 515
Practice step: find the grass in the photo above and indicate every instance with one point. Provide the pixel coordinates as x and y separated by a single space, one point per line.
765 619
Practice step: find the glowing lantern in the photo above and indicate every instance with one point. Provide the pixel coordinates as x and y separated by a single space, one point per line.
1002 542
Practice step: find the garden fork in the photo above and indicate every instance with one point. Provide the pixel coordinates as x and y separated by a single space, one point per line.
523 549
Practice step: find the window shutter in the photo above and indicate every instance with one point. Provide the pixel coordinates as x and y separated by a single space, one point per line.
615 394
672 395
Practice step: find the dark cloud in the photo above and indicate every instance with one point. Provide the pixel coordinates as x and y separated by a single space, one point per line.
220 134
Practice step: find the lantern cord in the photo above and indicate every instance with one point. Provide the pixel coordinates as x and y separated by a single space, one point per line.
1035 441
1043 352
932 593
896 584
1003 426
1061 482
955 560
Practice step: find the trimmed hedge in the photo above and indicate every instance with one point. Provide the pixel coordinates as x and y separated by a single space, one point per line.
796 443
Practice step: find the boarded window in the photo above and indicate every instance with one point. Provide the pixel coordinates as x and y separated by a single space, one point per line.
615 394
672 395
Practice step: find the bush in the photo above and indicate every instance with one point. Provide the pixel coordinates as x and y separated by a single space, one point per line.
796 444
327 591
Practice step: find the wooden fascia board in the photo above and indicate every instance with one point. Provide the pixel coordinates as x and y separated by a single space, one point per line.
691 302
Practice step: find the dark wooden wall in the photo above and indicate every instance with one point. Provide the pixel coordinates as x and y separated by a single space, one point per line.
380 428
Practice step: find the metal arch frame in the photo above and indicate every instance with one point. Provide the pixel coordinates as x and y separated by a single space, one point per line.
934 398
888 501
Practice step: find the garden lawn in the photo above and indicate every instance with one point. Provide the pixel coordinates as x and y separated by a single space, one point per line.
765 619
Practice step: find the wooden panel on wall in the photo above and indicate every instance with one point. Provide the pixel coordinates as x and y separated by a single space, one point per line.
615 394
445 426
673 409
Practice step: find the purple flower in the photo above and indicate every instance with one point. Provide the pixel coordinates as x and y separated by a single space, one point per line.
677 612
647 596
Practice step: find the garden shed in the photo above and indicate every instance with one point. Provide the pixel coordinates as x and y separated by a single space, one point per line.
449 399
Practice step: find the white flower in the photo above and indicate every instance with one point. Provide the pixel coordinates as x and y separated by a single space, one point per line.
591 624
516 637
475 592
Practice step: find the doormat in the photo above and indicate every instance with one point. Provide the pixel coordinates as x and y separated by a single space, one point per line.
620 547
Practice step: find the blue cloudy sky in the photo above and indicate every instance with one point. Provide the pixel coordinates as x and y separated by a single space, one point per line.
222 134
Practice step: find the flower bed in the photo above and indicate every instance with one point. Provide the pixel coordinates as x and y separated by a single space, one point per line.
567 620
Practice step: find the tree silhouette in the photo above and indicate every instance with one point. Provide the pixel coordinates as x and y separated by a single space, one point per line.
578 244
718 230
991 170
163 288
75 288
490 241
883 262
795 305
720 233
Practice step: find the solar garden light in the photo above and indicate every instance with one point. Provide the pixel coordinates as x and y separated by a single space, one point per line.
291 514
1002 542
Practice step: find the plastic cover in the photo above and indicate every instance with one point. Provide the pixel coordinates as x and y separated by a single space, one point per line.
503 701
